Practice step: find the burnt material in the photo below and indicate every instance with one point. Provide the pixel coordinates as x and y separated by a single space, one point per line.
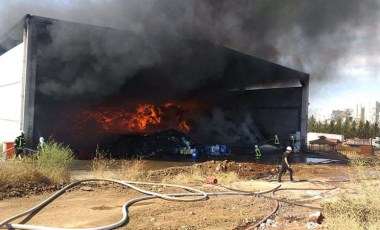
139 144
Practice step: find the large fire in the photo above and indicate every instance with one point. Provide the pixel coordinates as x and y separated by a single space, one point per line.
144 118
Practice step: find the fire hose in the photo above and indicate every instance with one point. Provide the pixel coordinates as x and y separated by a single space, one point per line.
196 194
277 205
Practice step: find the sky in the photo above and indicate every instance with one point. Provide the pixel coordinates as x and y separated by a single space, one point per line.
335 41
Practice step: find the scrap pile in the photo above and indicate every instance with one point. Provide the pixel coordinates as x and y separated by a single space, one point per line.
165 142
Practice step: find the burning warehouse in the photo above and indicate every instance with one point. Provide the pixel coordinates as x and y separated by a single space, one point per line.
83 84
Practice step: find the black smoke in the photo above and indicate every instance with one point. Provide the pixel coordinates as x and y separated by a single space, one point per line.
316 37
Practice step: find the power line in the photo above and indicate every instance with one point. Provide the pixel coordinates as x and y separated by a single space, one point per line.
4 119
10 84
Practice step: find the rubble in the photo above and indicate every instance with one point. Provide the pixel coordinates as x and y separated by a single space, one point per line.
165 142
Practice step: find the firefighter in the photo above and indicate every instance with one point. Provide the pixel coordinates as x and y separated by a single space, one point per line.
41 144
285 166
292 141
19 145
276 141
257 152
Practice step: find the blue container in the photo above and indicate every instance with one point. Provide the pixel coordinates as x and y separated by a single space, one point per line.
223 149
194 153
215 150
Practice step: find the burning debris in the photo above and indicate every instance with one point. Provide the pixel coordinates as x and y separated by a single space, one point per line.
144 118
147 129
168 142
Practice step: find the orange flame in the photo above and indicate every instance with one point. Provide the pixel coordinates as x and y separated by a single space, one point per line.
184 126
146 117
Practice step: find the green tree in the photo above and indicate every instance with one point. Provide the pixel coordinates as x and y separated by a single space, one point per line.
377 130
360 129
338 126
312 124
346 128
319 127
353 130
374 130
324 127
366 133
331 127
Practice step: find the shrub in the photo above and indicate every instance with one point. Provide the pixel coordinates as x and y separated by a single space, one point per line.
53 161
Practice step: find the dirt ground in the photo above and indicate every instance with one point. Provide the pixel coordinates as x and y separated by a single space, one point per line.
99 204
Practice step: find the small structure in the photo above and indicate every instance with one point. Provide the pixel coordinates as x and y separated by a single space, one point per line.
365 146
325 143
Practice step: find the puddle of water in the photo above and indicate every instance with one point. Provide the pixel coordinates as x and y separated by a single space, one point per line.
319 160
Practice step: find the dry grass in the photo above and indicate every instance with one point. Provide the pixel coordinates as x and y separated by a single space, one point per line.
196 174
359 210
19 171
101 166
133 170
49 165
104 167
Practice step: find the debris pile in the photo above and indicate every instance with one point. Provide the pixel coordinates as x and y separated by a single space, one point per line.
165 142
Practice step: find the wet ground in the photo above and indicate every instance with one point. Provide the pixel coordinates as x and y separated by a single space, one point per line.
270 156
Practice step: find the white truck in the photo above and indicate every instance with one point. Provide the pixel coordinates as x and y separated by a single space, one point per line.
375 142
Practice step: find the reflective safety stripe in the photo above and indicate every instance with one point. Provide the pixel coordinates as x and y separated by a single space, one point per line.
258 152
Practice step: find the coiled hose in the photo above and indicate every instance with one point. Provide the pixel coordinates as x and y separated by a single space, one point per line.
199 195
195 194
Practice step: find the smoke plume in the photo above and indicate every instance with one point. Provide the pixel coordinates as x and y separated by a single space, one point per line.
316 37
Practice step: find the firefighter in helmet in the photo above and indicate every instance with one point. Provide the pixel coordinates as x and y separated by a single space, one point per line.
19 145
276 141
257 152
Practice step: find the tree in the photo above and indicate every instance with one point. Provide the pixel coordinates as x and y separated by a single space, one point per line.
360 129
338 126
366 133
353 130
331 127
374 130
312 124
324 127
346 128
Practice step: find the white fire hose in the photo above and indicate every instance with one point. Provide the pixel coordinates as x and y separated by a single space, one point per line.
196 194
